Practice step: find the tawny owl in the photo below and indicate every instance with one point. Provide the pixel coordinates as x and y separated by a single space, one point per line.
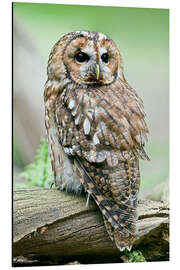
96 129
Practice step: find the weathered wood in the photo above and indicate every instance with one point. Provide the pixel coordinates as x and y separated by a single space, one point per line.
53 224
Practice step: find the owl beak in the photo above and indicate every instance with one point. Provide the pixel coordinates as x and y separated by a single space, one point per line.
97 71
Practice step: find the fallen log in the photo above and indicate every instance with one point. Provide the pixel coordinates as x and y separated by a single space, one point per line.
50 225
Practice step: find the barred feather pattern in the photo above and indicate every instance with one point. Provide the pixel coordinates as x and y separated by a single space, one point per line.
96 134
115 192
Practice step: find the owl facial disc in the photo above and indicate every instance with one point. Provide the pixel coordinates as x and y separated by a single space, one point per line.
91 58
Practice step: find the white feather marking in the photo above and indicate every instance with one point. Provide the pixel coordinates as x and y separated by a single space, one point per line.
101 36
95 139
48 84
63 123
71 104
77 119
86 126
89 50
103 126
55 82
139 139
102 50
68 150
101 156
145 137
75 111
90 114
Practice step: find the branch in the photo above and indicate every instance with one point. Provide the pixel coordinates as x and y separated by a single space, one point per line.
48 223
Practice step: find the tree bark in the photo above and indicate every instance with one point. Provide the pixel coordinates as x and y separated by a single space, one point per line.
56 226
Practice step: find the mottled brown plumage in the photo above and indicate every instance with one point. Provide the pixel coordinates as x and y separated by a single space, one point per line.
96 128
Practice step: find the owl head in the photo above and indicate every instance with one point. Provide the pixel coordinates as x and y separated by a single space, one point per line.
86 58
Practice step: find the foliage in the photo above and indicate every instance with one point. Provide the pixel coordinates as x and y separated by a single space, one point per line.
39 173
134 256
17 158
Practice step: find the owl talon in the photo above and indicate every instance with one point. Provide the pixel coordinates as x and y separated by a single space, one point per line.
129 247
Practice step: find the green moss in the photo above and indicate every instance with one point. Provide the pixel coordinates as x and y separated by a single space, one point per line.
39 173
134 256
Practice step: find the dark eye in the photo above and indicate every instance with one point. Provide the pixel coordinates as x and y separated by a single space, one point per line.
81 57
105 57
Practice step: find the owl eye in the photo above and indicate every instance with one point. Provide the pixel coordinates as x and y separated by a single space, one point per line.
81 57
105 57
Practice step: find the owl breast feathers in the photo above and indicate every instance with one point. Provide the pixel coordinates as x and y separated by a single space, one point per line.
96 129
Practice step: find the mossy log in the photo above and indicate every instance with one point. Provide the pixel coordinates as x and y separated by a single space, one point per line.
50 225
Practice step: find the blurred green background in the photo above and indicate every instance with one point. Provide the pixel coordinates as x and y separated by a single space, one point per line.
142 36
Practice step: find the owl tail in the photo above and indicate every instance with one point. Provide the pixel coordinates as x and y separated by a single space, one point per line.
123 240
119 216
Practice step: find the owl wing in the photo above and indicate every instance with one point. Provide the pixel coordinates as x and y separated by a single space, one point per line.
116 196
104 140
